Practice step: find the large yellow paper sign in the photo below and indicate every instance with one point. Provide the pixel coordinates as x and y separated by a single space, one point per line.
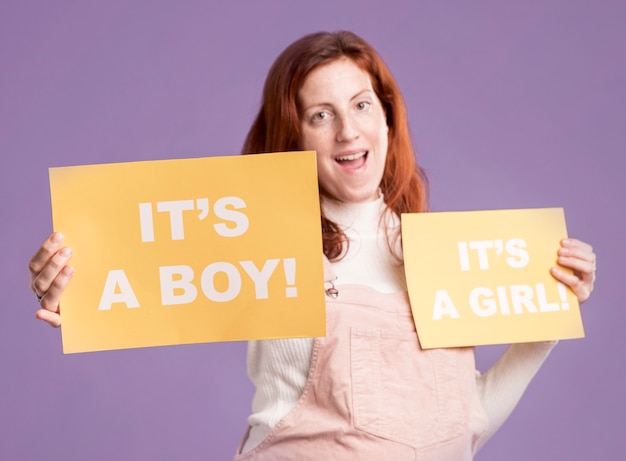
482 277
186 251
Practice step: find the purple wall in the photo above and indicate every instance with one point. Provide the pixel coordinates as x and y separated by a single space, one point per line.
512 104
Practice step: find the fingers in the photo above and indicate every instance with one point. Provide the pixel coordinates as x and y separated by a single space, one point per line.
52 274
48 248
49 276
580 258
46 264
581 289
51 297
574 251
52 318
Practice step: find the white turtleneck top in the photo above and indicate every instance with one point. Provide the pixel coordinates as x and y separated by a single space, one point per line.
278 368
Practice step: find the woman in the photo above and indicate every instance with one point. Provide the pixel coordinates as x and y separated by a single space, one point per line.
367 390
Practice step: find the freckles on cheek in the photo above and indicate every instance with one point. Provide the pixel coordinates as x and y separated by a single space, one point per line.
306 142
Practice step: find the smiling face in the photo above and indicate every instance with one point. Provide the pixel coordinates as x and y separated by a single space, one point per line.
343 120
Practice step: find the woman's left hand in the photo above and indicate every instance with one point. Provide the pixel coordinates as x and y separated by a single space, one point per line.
579 257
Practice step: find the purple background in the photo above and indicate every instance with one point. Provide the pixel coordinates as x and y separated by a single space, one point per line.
512 104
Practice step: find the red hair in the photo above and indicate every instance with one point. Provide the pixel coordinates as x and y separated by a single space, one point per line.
277 125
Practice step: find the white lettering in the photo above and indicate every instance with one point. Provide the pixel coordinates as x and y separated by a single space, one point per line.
117 289
261 277
207 281
177 279
443 306
522 296
481 302
481 247
519 256
240 219
175 208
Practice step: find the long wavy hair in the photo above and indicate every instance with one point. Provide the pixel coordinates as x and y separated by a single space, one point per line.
277 125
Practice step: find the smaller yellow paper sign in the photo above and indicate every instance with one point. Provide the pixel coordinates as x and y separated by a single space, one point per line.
187 251
482 277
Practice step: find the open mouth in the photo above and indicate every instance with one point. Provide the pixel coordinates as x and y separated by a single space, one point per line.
352 160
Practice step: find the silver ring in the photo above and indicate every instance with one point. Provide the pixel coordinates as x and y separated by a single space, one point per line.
38 298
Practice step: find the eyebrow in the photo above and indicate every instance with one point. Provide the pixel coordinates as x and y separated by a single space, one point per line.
356 96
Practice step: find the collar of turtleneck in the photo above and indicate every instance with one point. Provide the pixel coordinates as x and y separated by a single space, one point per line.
354 215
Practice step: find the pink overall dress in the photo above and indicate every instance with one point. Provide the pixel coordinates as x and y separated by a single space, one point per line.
373 394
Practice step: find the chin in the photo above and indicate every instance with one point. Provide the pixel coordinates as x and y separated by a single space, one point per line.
358 197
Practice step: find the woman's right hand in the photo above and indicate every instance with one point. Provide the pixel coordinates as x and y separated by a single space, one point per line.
49 275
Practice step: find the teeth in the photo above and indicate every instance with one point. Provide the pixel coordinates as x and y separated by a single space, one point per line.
356 156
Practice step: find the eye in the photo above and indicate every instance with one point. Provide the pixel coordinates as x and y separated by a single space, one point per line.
363 105
320 116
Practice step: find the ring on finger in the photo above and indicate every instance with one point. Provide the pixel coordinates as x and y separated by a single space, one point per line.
38 297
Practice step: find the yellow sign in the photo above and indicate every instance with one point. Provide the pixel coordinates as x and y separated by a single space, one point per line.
482 277
187 251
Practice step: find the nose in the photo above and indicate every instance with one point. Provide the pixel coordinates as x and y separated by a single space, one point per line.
346 131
